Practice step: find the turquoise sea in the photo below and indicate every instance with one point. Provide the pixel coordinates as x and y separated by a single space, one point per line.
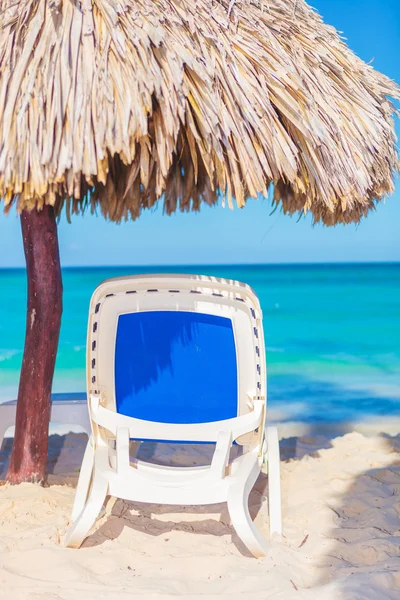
332 334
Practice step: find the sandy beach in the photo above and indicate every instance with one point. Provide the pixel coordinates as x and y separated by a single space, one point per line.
341 539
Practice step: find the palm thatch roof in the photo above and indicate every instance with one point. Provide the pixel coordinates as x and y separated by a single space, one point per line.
123 103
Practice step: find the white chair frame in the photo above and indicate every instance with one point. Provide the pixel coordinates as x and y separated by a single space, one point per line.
107 468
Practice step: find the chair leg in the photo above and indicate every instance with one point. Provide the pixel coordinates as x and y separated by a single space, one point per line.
80 528
238 507
274 482
7 419
3 429
84 481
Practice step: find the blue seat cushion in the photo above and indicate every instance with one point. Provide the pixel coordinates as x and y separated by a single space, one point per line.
176 367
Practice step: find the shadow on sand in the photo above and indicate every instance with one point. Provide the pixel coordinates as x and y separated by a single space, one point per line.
364 542
361 544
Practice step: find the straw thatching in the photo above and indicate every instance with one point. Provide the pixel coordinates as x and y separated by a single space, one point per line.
120 103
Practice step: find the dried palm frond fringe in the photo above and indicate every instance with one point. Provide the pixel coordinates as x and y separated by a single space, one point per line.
123 103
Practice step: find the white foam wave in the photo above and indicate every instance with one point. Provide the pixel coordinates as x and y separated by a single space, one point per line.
6 353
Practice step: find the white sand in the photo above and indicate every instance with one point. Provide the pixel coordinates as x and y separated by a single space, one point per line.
341 509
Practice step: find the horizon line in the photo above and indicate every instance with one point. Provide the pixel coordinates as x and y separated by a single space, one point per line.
199 264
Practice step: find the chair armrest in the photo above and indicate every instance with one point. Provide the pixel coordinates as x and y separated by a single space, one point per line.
191 432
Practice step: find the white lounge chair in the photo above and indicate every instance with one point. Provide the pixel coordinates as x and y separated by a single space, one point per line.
69 409
177 358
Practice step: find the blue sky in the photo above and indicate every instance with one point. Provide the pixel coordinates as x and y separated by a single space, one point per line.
217 235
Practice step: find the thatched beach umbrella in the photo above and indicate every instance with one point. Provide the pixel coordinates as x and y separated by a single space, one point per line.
117 105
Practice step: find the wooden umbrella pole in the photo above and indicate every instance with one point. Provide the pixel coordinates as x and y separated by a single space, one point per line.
29 453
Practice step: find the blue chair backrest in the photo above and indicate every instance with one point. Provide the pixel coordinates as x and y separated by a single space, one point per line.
176 367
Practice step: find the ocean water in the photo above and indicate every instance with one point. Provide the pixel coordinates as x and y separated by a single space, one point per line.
332 335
